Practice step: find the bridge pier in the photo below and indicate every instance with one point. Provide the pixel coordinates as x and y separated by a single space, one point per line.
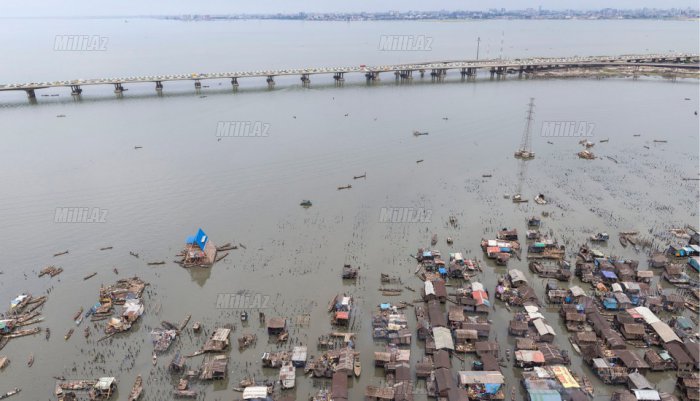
118 88
422 72
339 78
75 90
234 83
372 76
305 80
197 84
30 93
270 81
438 74
159 86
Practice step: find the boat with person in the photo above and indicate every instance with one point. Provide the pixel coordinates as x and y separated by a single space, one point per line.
600 237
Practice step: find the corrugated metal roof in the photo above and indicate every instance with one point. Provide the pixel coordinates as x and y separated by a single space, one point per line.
479 377
517 275
253 392
429 288
665 332
648 316
443 338
647 395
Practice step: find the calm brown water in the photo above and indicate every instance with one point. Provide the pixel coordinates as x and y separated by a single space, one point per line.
247 190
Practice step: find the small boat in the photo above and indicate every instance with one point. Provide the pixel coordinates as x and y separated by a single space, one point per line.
244 316
600 237
78 314
138 147
10 393
418 133
357 367
48 333
575 346
433 240
161 262
196 327
623 240
106 248
137 389
345 187
331 304
89 276
305 203
604 140
449 241
359 176
115 271
419 161
588 386
134 254
155 359
517 198
67 336
60 253
86 332
30 362
539 199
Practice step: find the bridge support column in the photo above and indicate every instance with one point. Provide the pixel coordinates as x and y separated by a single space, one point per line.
422 73
339 78
270 81
159 86
305 80
438 74
372 77
118 88
234 83
197 84
30 93
75 90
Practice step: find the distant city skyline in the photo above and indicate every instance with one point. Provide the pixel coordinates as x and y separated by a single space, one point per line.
82 8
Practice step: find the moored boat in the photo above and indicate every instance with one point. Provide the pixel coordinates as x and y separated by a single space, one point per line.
137 389
357 367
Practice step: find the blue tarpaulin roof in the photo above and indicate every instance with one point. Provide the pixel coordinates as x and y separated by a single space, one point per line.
544 395
609 274
442 270
610 303
385 306
491 388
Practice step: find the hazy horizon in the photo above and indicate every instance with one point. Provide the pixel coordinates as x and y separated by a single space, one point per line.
83 8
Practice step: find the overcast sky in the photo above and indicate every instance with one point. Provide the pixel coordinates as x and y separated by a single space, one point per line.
66 8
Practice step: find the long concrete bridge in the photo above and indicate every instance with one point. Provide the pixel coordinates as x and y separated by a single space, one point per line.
435 69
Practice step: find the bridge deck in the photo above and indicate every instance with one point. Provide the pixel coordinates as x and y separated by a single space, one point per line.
686 61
